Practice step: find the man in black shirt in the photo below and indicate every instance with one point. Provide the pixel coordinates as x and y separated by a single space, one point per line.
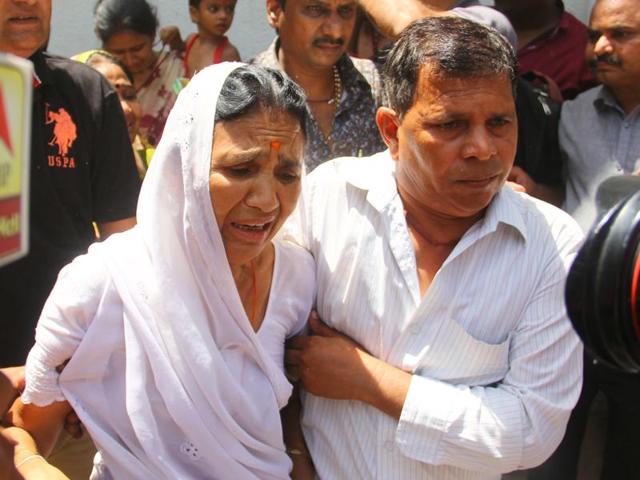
82 171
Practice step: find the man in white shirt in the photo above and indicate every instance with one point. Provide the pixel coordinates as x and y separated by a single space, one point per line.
446 353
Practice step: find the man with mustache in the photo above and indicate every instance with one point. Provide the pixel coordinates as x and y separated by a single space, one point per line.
342 92
446 353
600 135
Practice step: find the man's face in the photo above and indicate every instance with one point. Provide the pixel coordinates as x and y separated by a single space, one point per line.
613 51
24 26
457 142
313 32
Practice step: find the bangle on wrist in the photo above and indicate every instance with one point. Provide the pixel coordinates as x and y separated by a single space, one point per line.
29 457
295 451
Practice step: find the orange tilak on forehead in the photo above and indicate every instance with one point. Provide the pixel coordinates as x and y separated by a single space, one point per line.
275 145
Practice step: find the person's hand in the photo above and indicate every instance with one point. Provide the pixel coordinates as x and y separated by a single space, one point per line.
520 181
170 36
29 464
328 363
7 450
11 384
15 376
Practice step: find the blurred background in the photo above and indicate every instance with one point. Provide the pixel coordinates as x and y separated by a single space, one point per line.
72 28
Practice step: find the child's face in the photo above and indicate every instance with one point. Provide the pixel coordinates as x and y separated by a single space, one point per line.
213 17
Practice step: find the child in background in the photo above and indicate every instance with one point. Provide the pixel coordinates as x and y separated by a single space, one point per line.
209 45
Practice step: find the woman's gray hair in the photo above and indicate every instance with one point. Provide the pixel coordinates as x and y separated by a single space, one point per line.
250 87
452 46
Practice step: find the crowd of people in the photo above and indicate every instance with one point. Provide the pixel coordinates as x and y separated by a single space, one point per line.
342 259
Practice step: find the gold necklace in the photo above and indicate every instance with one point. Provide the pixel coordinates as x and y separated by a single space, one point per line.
337 90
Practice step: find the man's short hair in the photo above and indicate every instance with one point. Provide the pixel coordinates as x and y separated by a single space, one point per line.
453 46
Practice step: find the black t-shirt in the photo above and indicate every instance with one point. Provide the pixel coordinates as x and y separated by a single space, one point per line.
82 170
538 151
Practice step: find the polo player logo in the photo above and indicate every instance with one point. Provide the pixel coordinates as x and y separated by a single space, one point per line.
64 130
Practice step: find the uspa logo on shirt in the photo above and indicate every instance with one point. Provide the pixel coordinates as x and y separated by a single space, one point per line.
64 135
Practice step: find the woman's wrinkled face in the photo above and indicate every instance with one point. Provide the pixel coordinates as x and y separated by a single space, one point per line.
126 92
256 165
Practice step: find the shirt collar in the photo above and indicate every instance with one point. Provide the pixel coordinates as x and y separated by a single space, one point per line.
379 181
41 73
504 210
606 100
380 184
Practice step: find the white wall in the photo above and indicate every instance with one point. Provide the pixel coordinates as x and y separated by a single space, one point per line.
72 25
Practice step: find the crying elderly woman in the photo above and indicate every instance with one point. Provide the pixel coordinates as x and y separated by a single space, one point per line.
175 330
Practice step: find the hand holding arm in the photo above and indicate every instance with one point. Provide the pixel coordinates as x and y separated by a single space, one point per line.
330 364
28 462
520 181
44 424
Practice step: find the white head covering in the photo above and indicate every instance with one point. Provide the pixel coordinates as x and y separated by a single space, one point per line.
188 340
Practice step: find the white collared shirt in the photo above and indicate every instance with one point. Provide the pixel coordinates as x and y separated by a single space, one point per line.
496 364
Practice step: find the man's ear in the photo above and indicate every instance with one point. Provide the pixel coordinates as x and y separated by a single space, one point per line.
273 13
388 123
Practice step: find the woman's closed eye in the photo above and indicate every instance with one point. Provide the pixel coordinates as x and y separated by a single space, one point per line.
288 176
240 171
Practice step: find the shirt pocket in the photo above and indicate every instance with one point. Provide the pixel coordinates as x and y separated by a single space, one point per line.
457 357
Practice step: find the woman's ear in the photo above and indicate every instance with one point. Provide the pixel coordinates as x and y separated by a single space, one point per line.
193 13
388 123
273 13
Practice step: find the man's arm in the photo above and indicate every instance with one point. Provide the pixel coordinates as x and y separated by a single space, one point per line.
551 194
513 424
404 12
115 183
330 364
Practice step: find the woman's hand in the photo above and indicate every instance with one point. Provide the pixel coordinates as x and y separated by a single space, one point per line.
44 424
303 468
28 463
170 36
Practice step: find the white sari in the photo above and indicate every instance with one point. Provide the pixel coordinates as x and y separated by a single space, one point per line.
187 339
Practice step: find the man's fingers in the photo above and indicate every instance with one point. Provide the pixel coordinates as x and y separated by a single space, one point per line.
297 343
319 328
292 357
516 186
